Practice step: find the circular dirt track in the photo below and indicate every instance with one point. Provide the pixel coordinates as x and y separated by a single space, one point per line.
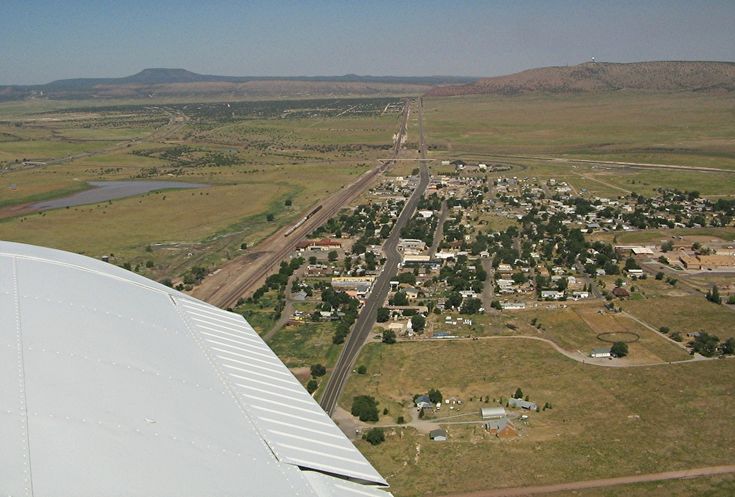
619 336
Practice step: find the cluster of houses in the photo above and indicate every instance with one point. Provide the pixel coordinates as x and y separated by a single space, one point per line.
495 419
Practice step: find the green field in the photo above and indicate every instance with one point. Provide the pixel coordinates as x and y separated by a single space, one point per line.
255 155
676 128
605 421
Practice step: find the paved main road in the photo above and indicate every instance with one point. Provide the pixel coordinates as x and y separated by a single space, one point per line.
366 319
242 275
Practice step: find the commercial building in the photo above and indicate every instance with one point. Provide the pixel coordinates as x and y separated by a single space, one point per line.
492 412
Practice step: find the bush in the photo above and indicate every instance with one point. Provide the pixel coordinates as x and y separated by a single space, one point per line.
375 436
383 315
365 407
619 349
728 346
705 344
676 336
713 295
312 386
361 369
664 329
318 370
418 323
435 395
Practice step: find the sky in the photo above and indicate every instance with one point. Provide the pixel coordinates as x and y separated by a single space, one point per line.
45 40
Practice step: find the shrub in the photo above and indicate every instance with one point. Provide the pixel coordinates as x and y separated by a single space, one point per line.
312 386
318 370
365 407
619 349
375 436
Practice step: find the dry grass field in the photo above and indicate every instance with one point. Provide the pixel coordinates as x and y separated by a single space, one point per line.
604 422
685 315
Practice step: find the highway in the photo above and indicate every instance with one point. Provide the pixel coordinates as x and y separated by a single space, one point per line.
239 277
368 314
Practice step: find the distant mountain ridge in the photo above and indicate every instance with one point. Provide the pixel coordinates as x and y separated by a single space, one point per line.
605 76
171 82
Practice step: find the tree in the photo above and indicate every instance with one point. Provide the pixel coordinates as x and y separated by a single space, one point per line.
270 218
361 369
664 329
728 346
676 336
312 260
471 306
365 407
318 370
288 202
312 386
399 298
332 256
495 304
518 394
435 395
418 323
619 349
713 295
383 315
659 275
375 436
667 246
407 278
631 263
705 344
454 299
389 336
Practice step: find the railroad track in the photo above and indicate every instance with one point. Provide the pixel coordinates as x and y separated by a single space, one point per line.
381 288
233 288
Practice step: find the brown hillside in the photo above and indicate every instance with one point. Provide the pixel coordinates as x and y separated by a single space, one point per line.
605 76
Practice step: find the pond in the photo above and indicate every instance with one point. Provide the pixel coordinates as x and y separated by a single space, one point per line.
102 191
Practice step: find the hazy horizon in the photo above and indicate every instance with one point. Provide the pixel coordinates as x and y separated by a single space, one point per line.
85 39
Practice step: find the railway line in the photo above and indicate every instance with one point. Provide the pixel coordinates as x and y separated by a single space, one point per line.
368 314
239 277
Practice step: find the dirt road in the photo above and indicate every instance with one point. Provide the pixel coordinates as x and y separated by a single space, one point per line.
606 482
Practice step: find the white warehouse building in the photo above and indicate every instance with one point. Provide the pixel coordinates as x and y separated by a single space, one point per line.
112 384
